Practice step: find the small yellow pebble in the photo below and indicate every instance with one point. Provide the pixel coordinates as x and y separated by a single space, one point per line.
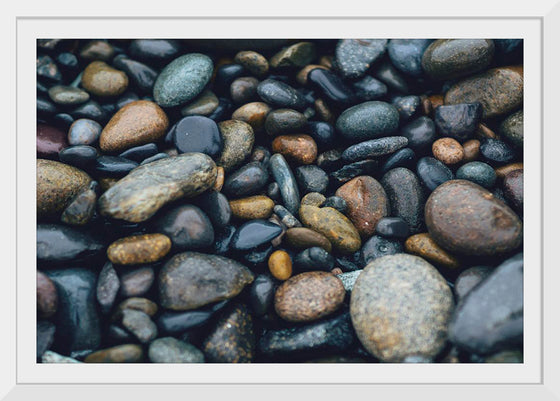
280 265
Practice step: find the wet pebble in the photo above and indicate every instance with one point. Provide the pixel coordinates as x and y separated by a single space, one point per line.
405 195
186 226
280 265
136 282
299 149
378 246
171 350
458 121
432 172
496 152
513 189
50 141
448 151
284 121
421 133
367 121
114 166
59 244
68 95
478 172
280 94
392 227
253 113
248 180
512 128
282 174
100 79
253 234
406 54
374 148
238 139
253 207
139 249
314 258
424 246
355 56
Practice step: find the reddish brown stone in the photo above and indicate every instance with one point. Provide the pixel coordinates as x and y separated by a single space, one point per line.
502 171
126 353
424 246
253 114
471 148
300 149
513 189
47 297
50 141
448 151
303 238
482 131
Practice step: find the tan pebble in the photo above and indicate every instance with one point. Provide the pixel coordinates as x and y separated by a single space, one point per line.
253 62
300 149
326 61
119 354
448 151
253 207
138 249
142 304
471 148
301 76
253 113
502 171
313 199
100 79
280 265
219 179
303 238
424 246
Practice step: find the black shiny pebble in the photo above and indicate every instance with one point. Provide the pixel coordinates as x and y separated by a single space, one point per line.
216 206
253 234
47 70
432 172
59 245
331 86
330 160
45 336
279 94
63 121
369 88
178 322
377 246
141 76
261 294
496 152
198 134
391 77
421 133
157 156
349 171
349 263
374 148
401 158
257 256
407 106
336 202
114 166
458 121
284 121
81 156
222 240
248 180
139 153
311 178
155 51
314 258
225 75
392 227
45 108
323 133
92 110
124 99
223 111
187 226
273 192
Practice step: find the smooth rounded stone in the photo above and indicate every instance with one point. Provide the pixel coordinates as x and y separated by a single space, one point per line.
311 179
284 121
91 110
204 105
68 64
47 70
125 353
197 134
331 86
107 288
369 88
253 62
248 180
391 286
401 158
45 336
496 152
314 258
244 90
502 171
420 133
183 79
140 325
424 246
406 55
405 196
448 151
142 76
355 56
465 218
253 113
261 295
352 170
140 153
499 90
238 140
100 79
97 50
154 50
283 175
367 203
374 148
253 207
512 129
326 336
50 141
114 166
253 234
313 199
84 132
471 149
377 247
296 55
139 249
309 296
458 121
349 279
77 321
47 298
336 202
286 217
513 189
68 95
216 206
323 133
432 172
469 279
139 195
453 58
338 229
392 227
280 265
190 280
407 106
59 244
367 121
186 226
478 172
299 149
137 123
490 317
136 282
157 156
279 94
171 350
81 210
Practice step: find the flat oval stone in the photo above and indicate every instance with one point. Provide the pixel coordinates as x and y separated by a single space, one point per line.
135 124
283 175
280 265
478 172
367 121
244 90
47 298
125 353
171 350
432 172
140 194
60 244
197 134
303 238
280 94
453 58
405 197
377 247
253 207
84 131
369 88
424 246
140 153
284 121
296 55
332 224
313 199
100 79
406 54
190 280
139 249
50 141
253 62
183 79
248 180
512 128
114 166
253 234
136 282
499 90
57 185
253 113
458 121
355 56
300 149
496 152
490 317
68 95
187 227
397 284
367 203
374 148
142 76
139 324
448 151
420 133
309 296
238 140
471 148
465 218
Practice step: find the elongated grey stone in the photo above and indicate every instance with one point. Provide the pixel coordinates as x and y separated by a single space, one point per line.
283 175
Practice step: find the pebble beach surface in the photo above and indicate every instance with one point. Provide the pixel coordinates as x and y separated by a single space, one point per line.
272 201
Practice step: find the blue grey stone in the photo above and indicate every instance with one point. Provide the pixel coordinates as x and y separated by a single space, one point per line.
84 132
478 172
349 279
284 177
280 94
406 54
374 148
368 120
355 56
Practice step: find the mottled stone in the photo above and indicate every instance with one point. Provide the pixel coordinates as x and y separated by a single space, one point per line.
355 56
126 353
496 152
171 350
139 324
286 217
100 79
47 298
139 249
238 139
424 246
367 121
68 95
254 207
407 106
448 151
108 285
253 113
283 175
478 172
303 238
253 62
299 149
512 128
313 199
296 55
374 148
349 279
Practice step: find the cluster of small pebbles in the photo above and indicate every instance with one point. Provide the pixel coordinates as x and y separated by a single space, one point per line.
324 201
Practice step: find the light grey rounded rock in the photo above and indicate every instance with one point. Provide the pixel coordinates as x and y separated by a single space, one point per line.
171 350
